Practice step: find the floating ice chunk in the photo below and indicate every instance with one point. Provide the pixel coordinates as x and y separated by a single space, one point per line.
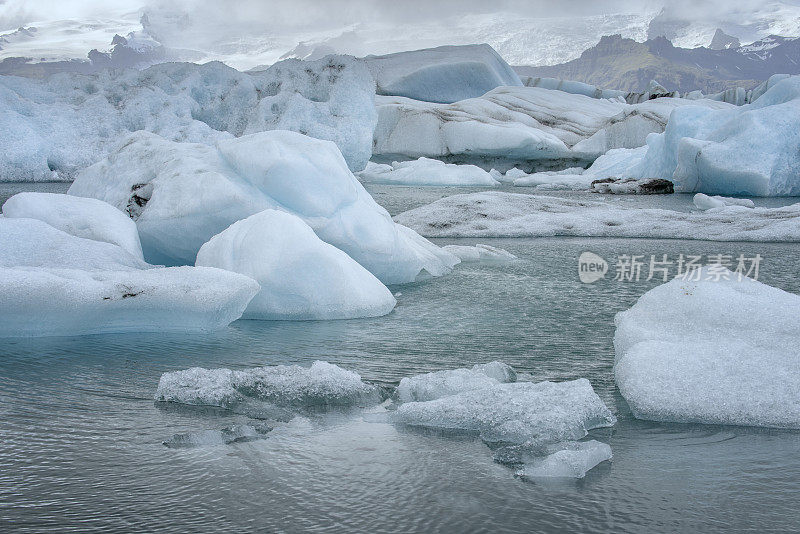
498 214
747 150
554 182
521 412
567 460
69 302
480 253
211 438
183 194
711 351
301 276
82 217
439 384
444 74
632 186
321 385
424 171
705 202
33 243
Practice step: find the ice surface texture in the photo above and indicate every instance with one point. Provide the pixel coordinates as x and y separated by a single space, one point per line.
480 253
61 124
301 276
444 74
321 385
182 194
439 384
571 459
81 217
748 150
711 351
520 412
705 202
498 214
56 284
525 124
425 171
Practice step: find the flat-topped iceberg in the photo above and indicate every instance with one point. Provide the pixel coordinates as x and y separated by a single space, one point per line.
439 384
519 412
444 74
748 150
57 126
498 214
530 127
425 171
321 385
711 347
71 302
81 217
182 194
301 276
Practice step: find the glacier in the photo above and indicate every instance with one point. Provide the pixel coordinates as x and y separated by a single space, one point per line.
301 276
500 214
183 194
711 347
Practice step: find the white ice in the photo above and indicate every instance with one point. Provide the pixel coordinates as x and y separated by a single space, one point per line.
519 412
705 202
499 214
425 171
182 194
706 349
439 384
320 385
301 276
82 217
480 253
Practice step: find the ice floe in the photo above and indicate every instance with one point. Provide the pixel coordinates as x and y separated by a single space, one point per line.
321 385
444 74
519 412
705 202
82 217
182 194
711 347
63 123
439 384
747 150
499 214
531 127
301 276
567 460
425 171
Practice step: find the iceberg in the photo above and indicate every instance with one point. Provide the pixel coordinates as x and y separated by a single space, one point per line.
59 125
743 151
528 127
183 194
705 202
431 386
518 412
425 171
71 302
711 347
301 276
499 214
323 385
444 74
82 217
567 460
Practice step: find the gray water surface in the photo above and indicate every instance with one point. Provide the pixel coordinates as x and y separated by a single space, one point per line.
81 440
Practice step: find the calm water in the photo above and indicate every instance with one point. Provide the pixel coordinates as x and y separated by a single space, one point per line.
81 439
